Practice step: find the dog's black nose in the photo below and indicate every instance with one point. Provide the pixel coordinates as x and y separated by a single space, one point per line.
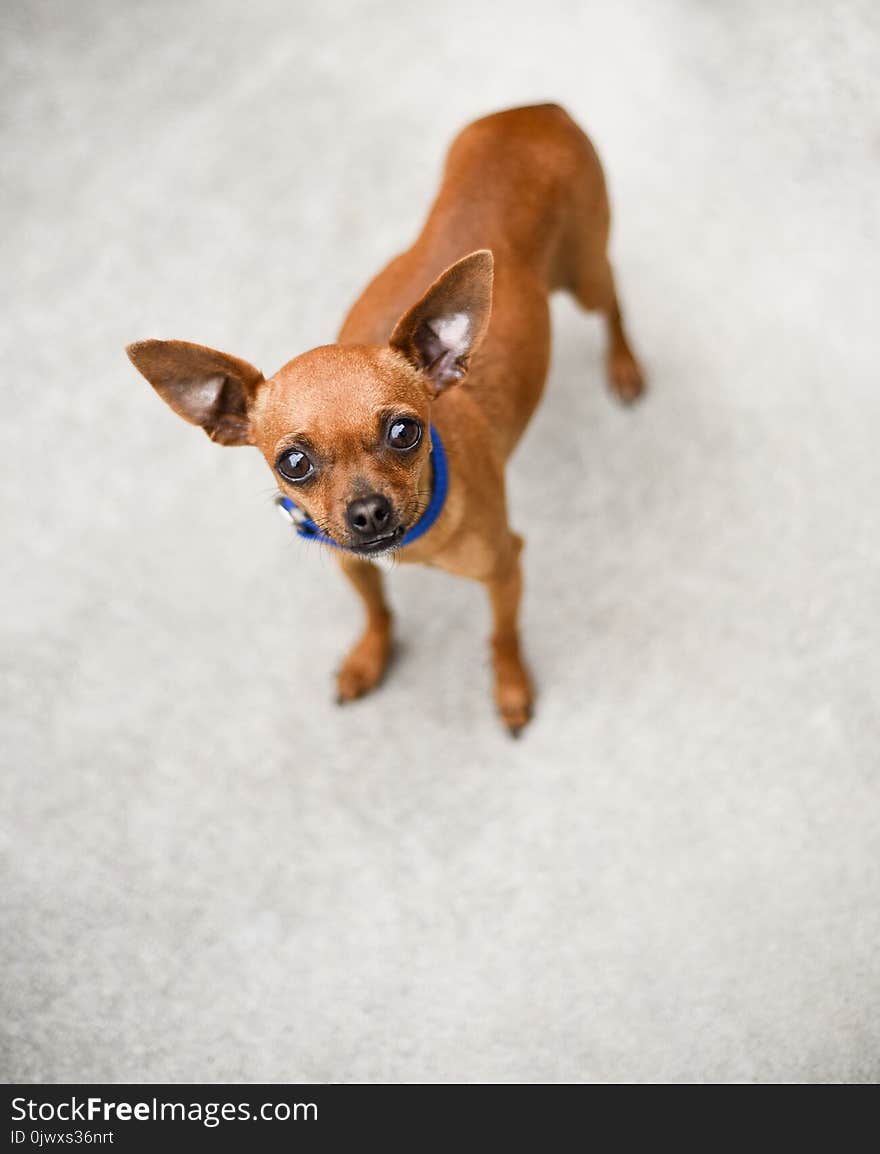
369 516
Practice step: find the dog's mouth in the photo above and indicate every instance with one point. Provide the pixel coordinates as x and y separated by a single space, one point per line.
381 544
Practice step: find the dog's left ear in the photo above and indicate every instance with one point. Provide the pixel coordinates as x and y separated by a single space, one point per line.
440 332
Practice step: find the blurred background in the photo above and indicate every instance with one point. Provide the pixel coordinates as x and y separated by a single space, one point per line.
210 873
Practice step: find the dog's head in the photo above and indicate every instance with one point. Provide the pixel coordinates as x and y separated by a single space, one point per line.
344 428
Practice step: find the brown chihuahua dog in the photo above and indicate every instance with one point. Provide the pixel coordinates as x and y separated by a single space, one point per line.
348 429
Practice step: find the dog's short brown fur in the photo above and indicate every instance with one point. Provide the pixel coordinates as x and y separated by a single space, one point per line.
523 195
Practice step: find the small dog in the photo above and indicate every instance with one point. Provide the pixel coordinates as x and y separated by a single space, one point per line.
396 437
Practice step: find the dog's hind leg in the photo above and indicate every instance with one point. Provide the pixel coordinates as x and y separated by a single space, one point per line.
587 271
624 372
594 289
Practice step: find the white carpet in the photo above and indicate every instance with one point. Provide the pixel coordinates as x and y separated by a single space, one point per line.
209 872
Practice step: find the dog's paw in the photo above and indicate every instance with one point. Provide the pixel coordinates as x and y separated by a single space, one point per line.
513 696
362 669
516 717
625 377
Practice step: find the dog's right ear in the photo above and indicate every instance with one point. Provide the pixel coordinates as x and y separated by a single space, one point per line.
203 386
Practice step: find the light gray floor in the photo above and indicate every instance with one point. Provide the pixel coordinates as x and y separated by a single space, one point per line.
208 871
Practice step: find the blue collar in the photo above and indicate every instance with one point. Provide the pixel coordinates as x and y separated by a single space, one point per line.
307 528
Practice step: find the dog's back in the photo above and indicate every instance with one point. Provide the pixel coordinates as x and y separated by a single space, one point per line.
527 184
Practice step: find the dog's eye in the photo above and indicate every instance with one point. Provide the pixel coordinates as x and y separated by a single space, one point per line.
294 465
404 433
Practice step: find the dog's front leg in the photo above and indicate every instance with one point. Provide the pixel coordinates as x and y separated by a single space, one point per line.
513 689
363 667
